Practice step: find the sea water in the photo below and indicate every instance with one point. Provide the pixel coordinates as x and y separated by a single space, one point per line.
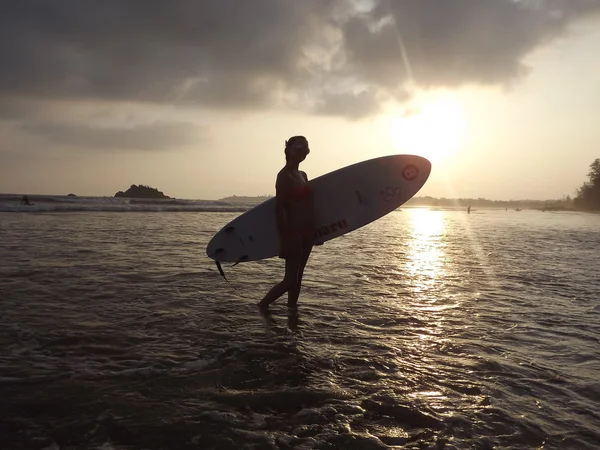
426 329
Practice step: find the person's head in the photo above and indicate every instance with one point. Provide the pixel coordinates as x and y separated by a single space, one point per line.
296 149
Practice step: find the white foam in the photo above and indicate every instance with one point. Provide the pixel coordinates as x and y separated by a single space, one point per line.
199 364
53 446
223 417
60 204
108 446
260 438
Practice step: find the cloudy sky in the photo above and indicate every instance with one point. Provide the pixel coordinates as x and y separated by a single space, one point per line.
197 97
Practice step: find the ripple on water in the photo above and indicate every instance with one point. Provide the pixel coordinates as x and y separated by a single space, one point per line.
426 329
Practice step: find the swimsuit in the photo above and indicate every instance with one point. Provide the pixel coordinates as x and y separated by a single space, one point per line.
300 193
302 236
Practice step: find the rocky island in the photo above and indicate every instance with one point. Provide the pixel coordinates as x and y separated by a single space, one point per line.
141 191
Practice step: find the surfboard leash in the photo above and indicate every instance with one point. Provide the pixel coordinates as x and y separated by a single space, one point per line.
217 251
223 274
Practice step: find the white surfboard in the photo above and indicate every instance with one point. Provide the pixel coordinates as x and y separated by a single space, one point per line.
344 200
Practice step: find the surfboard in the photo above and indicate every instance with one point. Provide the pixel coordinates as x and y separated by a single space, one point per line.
344 200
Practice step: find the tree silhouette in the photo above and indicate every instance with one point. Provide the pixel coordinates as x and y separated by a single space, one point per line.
588 195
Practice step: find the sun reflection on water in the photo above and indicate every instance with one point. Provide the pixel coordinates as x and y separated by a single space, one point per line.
430 346
426 257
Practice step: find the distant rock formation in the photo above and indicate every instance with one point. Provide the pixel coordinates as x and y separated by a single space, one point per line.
141 191
71 195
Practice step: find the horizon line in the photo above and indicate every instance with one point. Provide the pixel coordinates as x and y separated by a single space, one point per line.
565 198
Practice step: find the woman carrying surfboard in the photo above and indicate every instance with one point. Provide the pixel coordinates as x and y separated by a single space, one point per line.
294 211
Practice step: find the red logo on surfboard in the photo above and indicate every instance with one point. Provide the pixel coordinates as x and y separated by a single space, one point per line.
410 172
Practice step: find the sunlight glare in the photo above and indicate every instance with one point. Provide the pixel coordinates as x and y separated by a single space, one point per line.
436 130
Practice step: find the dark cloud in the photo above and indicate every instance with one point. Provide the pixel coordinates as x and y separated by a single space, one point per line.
448 43
147 137
232 53
16 109
199 51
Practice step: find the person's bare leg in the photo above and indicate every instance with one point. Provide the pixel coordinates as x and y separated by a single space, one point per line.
276 291
294 290
289 279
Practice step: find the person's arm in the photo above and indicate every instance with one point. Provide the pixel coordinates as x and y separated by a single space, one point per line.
280 204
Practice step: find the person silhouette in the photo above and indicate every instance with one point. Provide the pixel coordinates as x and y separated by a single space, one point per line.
295 222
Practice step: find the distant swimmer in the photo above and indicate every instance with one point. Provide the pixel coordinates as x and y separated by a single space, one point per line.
25 201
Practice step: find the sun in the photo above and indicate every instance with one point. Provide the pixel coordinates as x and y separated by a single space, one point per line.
435 130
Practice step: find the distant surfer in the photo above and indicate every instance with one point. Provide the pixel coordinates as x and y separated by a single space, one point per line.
295 221
25 200
469 210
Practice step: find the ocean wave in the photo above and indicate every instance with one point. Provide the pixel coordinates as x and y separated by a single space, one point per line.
65 204
118 208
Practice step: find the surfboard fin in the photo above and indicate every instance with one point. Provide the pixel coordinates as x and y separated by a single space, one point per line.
223 274
242 258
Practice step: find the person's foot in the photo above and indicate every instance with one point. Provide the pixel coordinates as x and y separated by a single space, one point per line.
262 306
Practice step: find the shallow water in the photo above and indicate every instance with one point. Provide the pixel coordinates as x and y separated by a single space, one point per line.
425 329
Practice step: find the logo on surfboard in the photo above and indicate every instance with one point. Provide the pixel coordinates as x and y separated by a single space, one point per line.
410 172
328 229
390 193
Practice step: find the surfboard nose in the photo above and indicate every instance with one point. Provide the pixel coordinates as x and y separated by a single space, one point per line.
421 161
424 160
425 165
412 168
